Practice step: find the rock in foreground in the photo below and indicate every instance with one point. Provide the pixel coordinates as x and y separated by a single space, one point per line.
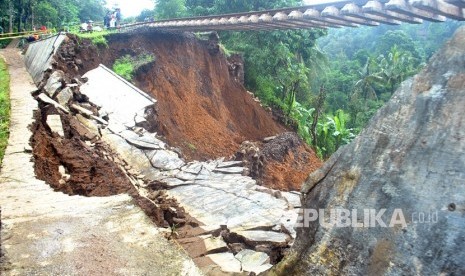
410 161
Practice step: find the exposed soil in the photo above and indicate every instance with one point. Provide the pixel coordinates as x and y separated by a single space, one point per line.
202 108
282 163
79 165
90 172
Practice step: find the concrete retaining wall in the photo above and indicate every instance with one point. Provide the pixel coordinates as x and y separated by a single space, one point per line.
39 55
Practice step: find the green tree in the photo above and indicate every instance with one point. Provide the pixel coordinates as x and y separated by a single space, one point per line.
91 9
46 14
146 14
368 78
165 9
395 67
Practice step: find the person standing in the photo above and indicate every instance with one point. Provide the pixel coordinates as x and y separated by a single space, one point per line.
112 21
106 20
118 17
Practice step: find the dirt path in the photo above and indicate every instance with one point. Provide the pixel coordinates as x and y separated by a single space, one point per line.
50 233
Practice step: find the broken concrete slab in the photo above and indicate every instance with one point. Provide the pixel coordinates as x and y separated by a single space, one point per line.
288 221
120 99
292 198
90 125
54 83
39 54
193 168
82 110
260 236
64 96
230 170
145 141
174 182
229 203
228 164
202 245
226 261
83 131
185 176
130 154
210 165
214 244
253 261
55 125
164 160
46 99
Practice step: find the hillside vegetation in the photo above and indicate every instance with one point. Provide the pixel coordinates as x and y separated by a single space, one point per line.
4 107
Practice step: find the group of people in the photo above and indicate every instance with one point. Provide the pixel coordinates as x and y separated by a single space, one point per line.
112 19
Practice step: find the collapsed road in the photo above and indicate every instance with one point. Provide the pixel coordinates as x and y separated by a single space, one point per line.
93 135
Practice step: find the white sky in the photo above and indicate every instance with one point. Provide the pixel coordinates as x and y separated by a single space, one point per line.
131 7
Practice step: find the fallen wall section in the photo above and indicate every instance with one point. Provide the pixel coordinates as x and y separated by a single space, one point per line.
126 103
39 55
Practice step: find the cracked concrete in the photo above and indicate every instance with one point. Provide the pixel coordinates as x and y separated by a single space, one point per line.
49 233
214 192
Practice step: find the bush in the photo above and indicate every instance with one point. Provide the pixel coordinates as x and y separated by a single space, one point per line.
4 43
97 38
126 66
4 107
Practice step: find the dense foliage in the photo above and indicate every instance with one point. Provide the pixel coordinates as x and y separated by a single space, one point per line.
17 15
127 65
4 107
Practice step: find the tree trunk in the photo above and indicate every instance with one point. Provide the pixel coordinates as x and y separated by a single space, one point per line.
20 15
320 101
10 12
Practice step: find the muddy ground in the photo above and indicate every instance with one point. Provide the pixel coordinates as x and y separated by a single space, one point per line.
203 108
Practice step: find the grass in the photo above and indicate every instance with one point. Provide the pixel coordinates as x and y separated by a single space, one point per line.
191 146
97 38
4 43
124 67
4 107
127 65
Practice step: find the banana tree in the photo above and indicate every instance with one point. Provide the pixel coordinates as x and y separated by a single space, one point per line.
395 67
365 86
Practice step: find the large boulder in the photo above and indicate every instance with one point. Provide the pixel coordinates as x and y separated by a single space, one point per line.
410 161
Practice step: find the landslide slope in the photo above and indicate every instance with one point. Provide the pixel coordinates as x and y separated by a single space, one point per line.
201 109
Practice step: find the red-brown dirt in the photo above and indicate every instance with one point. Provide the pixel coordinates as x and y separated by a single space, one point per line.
91 174
202 109
282 163
92 169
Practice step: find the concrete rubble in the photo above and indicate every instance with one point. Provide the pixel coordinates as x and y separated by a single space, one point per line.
214 192
45 232
239 222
